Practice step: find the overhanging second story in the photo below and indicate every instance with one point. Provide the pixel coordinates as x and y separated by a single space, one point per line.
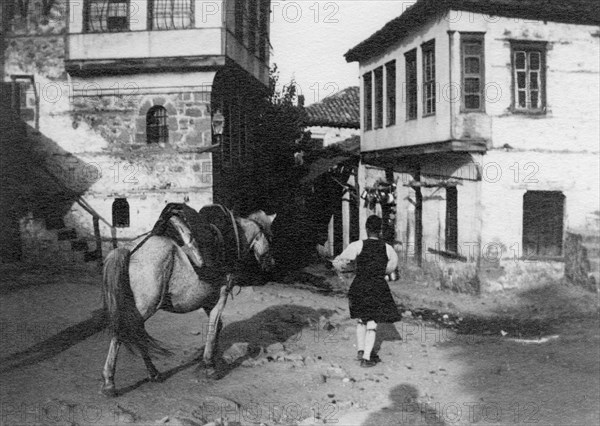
467 75
130 36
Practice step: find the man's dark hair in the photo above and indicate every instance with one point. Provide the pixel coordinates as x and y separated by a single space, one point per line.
373 224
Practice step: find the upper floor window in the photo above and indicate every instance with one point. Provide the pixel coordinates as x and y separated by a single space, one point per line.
378 74
252 24
472 71
529 79
170 14
411 84
368 100
157 130
390 90
428 50
263 29
106 15
240 10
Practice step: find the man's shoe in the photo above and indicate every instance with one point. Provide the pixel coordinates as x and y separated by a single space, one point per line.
375 358
359 355
366 363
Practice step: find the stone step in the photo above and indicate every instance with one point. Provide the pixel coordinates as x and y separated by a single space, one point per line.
79 245
66 234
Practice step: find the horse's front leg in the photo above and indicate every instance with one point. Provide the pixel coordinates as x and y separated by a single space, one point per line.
214 321
108 388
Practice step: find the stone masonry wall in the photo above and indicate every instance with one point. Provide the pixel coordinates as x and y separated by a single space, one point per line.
94 141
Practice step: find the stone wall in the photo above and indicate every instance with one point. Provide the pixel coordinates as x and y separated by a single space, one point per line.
92 141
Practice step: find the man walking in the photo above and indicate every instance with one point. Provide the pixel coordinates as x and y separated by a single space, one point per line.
369 298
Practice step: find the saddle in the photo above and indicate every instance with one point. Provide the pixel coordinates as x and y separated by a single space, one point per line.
209 237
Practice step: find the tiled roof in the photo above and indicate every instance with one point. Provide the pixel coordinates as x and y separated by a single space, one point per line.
583 12
339 110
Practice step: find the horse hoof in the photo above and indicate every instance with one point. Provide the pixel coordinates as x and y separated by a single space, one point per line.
156 378
211 373
109 392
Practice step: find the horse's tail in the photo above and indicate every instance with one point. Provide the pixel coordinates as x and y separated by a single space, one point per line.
124 320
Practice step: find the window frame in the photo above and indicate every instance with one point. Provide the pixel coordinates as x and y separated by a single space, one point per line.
411 80
119 208
390 93
87 16
528 46
378 95
239 21
536 226
427 82
150 14
162 130
253 8
263 29
465 38
451 223
368 100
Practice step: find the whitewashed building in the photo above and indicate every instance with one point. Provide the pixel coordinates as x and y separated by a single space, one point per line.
485 116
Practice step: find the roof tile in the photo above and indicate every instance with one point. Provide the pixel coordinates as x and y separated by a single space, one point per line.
339 110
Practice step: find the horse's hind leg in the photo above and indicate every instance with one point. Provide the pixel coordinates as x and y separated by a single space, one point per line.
108 388
153 373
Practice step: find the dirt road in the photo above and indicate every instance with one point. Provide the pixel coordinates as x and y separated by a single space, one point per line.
528 356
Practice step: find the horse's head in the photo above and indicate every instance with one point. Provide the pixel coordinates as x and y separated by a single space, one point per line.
258 233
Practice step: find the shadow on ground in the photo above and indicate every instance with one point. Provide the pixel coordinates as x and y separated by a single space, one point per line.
405 410
534 362
276 324
56 344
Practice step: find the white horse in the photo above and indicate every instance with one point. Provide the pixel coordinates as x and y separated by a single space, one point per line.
159 275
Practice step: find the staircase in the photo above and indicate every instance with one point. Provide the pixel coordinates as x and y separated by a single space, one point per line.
33 201
44 246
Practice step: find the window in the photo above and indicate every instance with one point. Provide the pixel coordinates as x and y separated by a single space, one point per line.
378 73
472 72
263 35
368 100
170 14
157 130
390 90
252 25
452 219
411 84
543 223
240 10
529 63
120 213
428 50
106 15
237 133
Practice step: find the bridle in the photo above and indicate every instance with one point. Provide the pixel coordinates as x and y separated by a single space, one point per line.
261 232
